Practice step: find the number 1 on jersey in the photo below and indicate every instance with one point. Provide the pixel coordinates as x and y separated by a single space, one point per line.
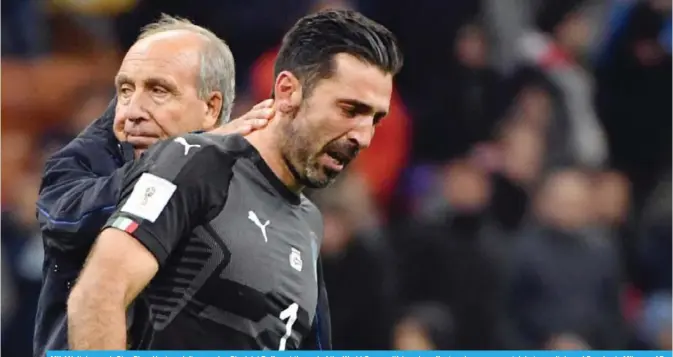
289 314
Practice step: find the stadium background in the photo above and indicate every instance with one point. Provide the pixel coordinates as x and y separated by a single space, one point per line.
512 200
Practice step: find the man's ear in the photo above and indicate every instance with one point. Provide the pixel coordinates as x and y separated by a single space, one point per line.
287 92
213 110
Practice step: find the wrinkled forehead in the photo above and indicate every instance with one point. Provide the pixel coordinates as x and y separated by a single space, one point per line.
171 40
174 52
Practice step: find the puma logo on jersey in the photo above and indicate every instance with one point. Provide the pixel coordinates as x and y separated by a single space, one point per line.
253 217
183 142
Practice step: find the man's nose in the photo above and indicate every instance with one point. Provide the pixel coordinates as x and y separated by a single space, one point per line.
363 133
135 109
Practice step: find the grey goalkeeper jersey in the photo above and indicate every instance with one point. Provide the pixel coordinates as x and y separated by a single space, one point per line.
238 251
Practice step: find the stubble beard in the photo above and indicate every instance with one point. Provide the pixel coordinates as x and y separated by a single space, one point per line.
296 150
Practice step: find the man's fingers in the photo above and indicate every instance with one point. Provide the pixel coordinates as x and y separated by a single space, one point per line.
251 125
244 129
257 123
263 104
257 118
266 113
260 113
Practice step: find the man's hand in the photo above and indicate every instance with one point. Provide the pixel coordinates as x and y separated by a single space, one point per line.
255 119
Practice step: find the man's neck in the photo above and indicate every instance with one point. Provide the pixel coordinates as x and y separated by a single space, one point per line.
266 143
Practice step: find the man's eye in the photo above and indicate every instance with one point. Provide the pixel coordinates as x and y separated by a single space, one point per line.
159 90
349 111
378 118
125 90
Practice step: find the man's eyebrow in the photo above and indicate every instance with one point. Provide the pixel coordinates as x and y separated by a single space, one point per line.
161 82
362 107
121 79
148 82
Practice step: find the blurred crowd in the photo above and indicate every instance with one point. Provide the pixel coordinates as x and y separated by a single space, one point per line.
518 196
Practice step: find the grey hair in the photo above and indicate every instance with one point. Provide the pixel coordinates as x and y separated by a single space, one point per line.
218 70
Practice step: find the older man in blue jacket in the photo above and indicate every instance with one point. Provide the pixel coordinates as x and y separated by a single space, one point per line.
170 88
79 191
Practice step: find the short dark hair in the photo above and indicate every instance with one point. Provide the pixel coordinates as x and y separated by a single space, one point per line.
310 45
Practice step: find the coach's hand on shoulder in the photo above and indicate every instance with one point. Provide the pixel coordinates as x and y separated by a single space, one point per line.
255 119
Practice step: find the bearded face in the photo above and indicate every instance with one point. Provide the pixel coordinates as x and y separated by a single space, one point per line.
324 128
314 156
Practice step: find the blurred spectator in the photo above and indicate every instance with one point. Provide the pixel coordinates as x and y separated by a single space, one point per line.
470 97
426 326
458 186
520 149
356 267
443 258
554 56
654 263
564 279
22 244
634 93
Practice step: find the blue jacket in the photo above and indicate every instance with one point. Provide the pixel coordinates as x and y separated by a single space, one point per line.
79 192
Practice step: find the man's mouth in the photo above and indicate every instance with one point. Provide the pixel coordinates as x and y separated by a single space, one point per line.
339 157
335 160
141 141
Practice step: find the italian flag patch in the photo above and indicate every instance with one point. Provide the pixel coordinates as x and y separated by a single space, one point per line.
125 224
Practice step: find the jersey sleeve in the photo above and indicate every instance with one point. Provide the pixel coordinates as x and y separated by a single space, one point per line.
175 187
